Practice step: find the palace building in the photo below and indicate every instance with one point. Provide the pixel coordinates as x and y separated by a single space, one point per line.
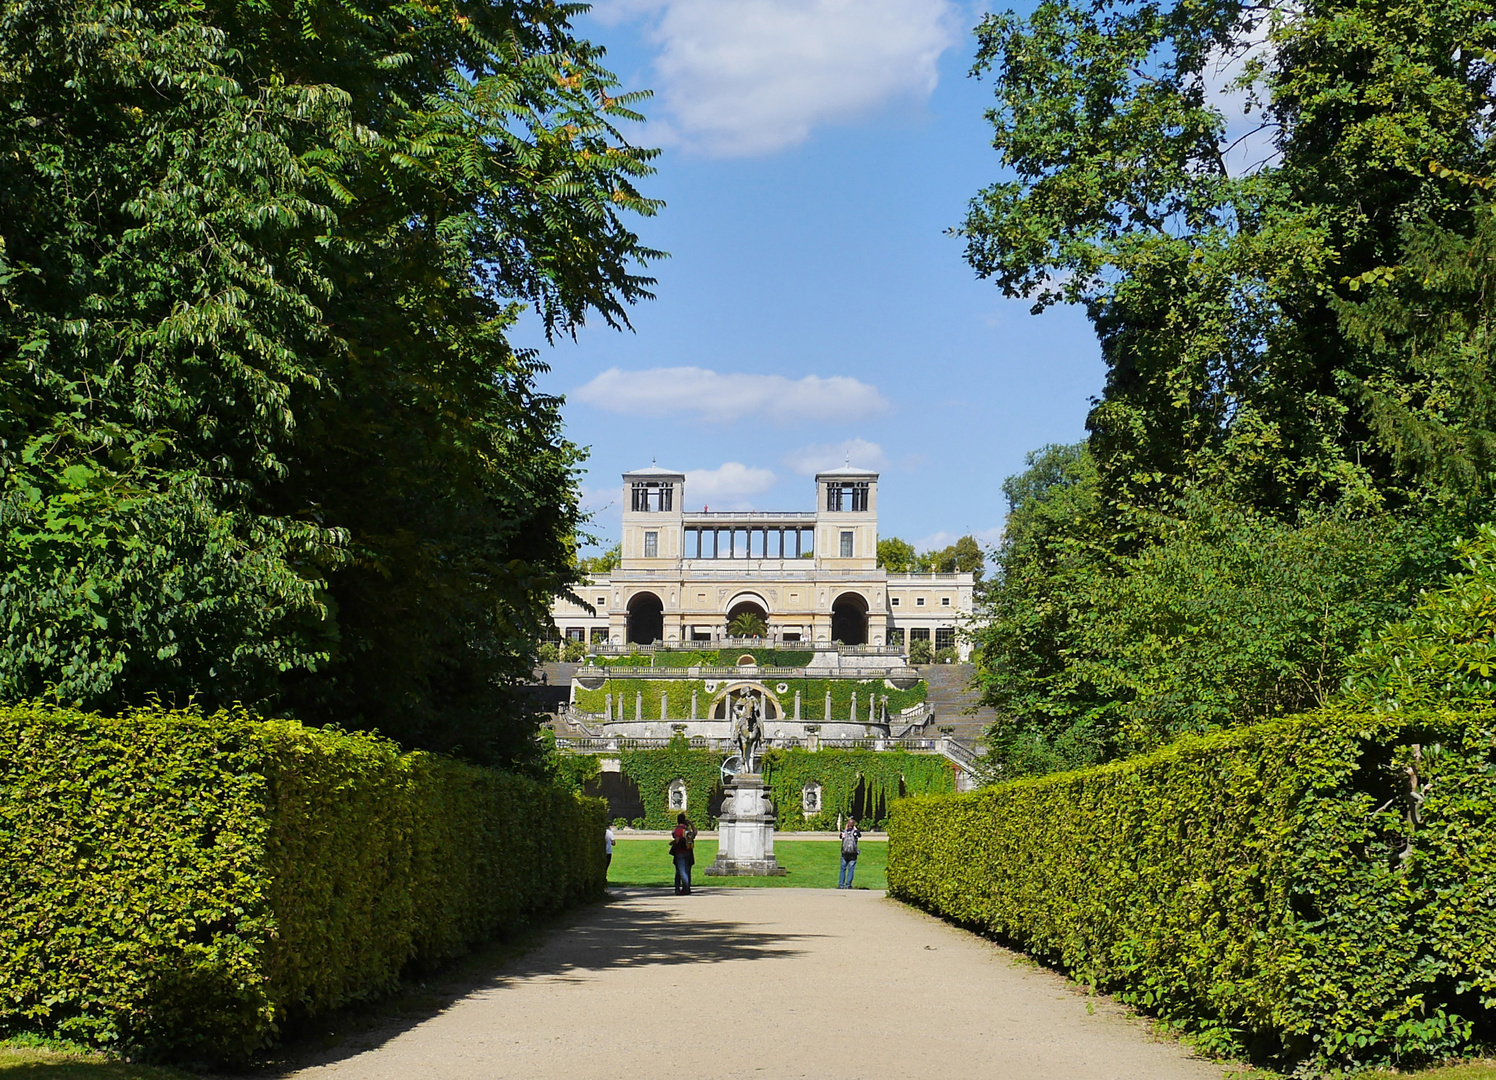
811 576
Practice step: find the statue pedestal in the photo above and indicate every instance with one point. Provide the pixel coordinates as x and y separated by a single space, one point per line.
745 831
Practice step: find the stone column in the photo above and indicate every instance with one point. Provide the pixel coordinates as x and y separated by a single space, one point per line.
853 716
664 697
693 704
872 703
827 714
609 710
797 705
638 704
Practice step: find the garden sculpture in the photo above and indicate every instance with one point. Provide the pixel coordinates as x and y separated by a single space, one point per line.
748 728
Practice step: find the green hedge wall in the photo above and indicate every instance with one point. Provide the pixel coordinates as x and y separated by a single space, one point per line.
812 696
679 691
786 772
652 771
1317 890
839 772
181 886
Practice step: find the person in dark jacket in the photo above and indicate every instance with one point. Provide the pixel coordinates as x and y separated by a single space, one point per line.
849 837
682 850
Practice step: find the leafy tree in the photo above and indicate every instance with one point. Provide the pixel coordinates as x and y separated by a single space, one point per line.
1229 617
1297 413
1214 291
1031 612
262 435
746 624
895 555
1443 655
964 556
604 563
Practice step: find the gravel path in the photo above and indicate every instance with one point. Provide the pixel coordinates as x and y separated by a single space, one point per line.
769 983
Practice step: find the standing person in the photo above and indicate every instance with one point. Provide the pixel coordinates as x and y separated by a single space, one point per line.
608 841
849 837
682 843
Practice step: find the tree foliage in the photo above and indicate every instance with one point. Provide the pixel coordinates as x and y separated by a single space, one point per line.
602 564
1214 292
963 557
1229 617
1297 417
899 557
747 624
895 555
262 435
1429 325
1444 653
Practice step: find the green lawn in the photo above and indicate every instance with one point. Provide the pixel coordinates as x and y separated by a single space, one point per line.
16 1063
812 864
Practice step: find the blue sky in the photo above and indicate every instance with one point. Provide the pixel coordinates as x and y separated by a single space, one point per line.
815 151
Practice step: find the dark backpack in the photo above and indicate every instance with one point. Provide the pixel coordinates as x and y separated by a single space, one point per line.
849 843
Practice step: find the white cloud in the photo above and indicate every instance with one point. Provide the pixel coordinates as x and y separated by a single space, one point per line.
729 485
809 460
752 77
715 396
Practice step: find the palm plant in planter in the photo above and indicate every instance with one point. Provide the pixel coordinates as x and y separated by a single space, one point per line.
747 624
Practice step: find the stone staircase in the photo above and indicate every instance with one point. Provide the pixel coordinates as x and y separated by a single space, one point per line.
555 692
955 703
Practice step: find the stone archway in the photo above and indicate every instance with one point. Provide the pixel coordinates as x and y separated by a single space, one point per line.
749 605
849 619
717 708
646 619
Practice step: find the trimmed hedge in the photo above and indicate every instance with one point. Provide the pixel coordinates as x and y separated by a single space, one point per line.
1319 889
181 885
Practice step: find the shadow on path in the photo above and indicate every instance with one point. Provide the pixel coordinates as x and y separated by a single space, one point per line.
625 931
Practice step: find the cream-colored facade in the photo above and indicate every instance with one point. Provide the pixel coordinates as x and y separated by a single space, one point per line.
810 576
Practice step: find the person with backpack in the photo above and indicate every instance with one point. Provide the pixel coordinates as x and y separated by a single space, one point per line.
682 850
849 837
